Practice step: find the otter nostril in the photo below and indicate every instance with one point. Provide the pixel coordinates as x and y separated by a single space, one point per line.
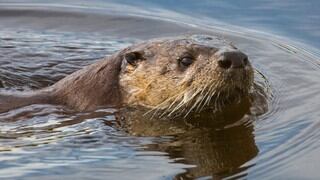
226 63
245 61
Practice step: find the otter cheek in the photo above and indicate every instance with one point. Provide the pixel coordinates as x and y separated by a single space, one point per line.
188 78
156 91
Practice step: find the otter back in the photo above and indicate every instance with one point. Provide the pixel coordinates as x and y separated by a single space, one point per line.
11 100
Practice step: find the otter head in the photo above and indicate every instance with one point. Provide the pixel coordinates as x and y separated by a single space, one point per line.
184 74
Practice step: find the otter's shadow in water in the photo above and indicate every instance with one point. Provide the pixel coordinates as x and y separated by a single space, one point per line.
217 143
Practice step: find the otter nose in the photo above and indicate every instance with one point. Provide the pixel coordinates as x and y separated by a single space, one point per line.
232 59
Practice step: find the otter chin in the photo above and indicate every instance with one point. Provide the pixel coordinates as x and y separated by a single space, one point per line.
170 75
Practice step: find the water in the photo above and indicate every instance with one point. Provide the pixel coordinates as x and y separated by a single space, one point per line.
273 136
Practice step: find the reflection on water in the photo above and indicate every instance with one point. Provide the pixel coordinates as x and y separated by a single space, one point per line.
217 143
274 133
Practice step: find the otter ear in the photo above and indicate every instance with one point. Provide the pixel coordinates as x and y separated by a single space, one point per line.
133 57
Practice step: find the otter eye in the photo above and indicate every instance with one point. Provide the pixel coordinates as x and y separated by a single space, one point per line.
186 61
133 57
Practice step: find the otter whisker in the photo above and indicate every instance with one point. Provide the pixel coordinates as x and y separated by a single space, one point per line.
159 106
182 103
211 94
205 103
205 97
176 108
195 104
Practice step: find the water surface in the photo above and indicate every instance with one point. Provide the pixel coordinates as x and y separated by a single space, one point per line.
274 135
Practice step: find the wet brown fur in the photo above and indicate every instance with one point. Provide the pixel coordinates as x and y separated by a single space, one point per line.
156 82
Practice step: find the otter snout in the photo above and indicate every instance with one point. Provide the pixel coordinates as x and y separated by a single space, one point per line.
231 59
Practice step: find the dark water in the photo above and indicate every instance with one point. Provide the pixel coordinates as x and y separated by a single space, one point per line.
275 135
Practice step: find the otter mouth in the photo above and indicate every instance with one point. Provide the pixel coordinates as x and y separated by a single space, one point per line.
197 102
238 79
231 87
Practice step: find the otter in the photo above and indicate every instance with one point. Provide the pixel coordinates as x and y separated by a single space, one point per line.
176 76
